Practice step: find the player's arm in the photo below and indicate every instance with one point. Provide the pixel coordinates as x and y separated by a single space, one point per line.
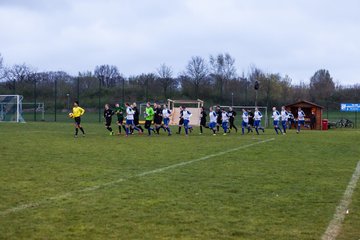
82 111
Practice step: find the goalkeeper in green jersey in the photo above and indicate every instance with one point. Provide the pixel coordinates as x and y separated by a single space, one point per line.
119 111
149 117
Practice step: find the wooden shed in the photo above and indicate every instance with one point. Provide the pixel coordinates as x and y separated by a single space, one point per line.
309 108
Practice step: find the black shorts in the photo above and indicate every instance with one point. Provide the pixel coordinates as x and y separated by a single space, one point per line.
77 120
147 124
181 122
219 121
120 120
203 122
158 120
107 121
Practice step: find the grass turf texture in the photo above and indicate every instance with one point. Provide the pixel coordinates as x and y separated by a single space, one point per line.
287 188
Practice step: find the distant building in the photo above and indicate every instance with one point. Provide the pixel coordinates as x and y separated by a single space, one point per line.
308 108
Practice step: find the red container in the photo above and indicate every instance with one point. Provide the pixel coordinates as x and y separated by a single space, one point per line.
324 124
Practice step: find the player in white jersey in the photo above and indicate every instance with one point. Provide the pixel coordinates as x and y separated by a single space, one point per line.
245 122
284 118
276 116
186 115
130 120
301 120
166 113
225 120
213 119
257 121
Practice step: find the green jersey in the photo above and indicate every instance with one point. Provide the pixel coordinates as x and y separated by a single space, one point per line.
149 114
119 112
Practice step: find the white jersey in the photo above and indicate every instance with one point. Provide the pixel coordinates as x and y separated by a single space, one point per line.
129 113
186 115
276 115
301 115
225 117
166 113
213 117
284 115
245 117
257 115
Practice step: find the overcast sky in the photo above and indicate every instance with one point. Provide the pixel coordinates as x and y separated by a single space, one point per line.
293 37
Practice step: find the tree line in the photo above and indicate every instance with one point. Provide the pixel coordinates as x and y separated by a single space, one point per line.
214 80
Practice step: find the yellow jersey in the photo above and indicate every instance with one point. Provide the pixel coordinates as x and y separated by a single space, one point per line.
78 111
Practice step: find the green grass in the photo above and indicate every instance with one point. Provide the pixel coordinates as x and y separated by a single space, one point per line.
287 188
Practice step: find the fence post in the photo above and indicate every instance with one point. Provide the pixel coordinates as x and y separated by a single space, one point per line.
35 95
78 88
55 96
99 104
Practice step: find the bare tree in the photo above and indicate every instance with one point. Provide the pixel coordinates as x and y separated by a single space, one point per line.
222 70
107 74
196 73
17 74
165 78
2 72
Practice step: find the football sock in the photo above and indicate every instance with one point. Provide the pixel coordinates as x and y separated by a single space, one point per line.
76 131
82 130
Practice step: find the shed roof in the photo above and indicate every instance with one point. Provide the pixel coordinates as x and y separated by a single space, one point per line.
306 102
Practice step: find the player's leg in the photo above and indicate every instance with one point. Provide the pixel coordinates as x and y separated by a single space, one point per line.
225 127
284 125
298 126
186 127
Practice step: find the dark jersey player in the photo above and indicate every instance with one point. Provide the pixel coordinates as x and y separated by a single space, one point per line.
203 116
158 117
232 115
219 117
120 117
181 120
136 117
108 113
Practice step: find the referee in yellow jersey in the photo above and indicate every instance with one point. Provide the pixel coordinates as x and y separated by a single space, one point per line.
77 113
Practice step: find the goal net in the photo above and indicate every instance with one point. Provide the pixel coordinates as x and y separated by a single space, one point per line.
193 106
238 110
11 108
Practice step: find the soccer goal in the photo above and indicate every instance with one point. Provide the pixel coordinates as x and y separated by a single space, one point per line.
193 106
238 110
11 108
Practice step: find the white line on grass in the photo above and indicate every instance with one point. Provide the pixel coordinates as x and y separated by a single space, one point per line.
335 225
143 174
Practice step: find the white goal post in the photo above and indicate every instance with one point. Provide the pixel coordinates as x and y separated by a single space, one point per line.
193 106
11 108
262 109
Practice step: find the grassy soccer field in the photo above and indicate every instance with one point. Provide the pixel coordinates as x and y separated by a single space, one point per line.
53 186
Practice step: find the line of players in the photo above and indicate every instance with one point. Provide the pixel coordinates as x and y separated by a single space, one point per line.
160 116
